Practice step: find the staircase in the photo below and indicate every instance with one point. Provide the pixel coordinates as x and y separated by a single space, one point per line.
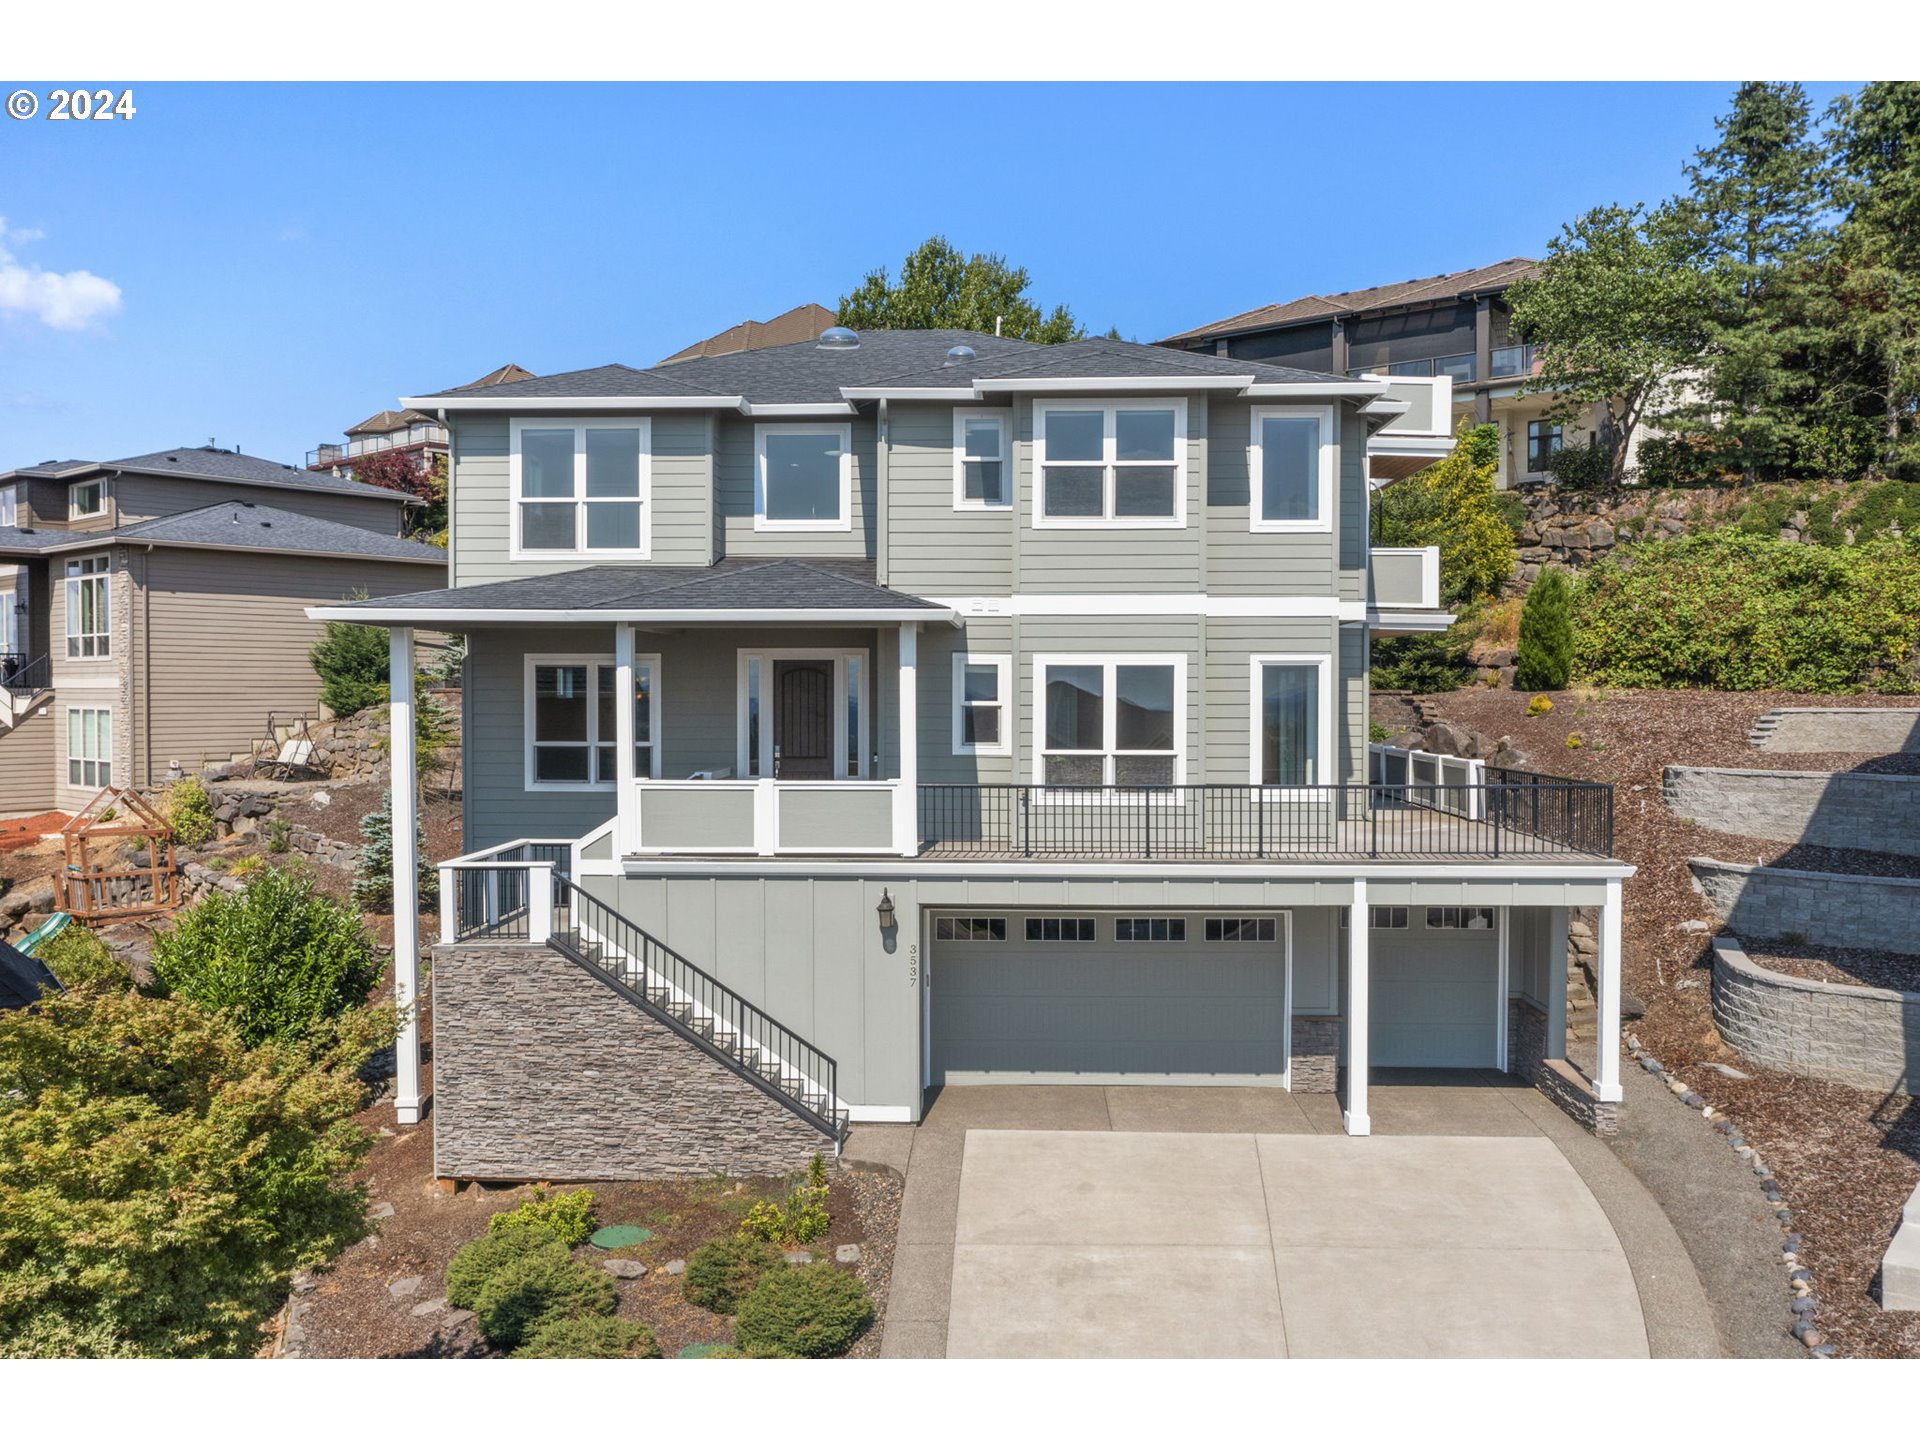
1763 729
24 684
674 991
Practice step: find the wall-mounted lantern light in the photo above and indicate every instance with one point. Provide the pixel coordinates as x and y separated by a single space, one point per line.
885 911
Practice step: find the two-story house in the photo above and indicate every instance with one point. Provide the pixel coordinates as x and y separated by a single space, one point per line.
890 711
155 610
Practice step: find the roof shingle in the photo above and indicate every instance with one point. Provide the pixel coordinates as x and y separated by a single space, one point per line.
1377 297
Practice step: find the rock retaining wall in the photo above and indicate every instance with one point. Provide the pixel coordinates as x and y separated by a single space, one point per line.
1853 1034
1845 810
1868 912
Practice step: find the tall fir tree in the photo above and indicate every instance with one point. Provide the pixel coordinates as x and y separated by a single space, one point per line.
942 288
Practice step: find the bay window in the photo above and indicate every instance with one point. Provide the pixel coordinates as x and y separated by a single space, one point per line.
583 487
1112 463
88 621
981 474
1110 720
1291 464
1292 710
803 477
572 721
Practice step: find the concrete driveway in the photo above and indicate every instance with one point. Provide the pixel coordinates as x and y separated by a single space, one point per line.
1148 1222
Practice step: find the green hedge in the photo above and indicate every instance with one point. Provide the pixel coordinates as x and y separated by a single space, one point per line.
1727 611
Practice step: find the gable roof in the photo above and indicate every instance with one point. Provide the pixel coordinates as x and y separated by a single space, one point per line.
789 327
233 525
1453 285
202 462
385 422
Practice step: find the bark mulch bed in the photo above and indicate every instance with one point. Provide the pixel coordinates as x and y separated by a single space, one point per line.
1838 964
1846 1159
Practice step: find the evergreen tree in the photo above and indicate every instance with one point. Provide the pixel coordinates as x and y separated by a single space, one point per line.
351 661
942 289
1546 634
373 877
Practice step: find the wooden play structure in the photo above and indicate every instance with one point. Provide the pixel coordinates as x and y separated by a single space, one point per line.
104 878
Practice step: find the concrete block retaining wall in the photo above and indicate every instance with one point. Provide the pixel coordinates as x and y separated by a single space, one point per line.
1868 912
542 1072
1845 810
1852 1034
1833 729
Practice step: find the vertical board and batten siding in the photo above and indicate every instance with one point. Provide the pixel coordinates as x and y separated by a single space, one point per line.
27 758
733 477
932 548
482 528
147 497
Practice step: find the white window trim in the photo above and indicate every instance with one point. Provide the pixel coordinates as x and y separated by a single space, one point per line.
1108 520
580 425
98 483
72 580
1110 716
744 770
760 520
1329 470
101 781
593 718
1329 747
1003 664
9 505
1004 419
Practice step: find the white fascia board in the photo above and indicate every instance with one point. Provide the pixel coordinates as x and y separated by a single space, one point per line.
1350 389
574 404
1040 870
1389 442
1126 606
1414 622
897 392
426 616
1117 384
817 407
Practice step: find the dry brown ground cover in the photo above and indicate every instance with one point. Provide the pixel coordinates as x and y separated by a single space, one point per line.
1846 1159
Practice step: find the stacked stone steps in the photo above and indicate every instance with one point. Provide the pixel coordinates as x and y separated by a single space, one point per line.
1763 729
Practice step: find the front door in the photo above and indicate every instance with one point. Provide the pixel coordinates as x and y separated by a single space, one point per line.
803 719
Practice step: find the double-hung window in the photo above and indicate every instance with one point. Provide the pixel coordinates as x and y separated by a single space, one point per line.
88 624
1113 463
1543 439
1292 708
1111 720
803 477
572 720
981 473
583 487
982 688
89 497
9 505
1291 466
90 748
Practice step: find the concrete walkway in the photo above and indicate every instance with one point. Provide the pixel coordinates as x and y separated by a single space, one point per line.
1150 1221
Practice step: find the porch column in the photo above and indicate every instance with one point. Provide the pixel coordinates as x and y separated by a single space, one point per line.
1503 945
1556 1043
906 794
626 827
1355 1112
1606 1069
406 875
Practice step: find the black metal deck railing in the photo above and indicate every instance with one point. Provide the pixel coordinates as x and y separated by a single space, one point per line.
25 675
490 893
1520 814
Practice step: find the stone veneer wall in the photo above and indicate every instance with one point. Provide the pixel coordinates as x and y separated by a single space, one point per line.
1868 912
1559 1080
1315 1057
1844 810
1853 1034
1838 730
542 1072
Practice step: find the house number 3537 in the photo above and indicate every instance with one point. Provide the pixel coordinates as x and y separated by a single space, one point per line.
913 965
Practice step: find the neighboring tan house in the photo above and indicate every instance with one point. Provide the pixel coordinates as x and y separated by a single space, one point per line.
156 609
408 430
789 327
912 709
1447 334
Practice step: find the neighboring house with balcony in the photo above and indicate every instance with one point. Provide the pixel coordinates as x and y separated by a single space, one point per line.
411 431
1449 335
861 716
155 609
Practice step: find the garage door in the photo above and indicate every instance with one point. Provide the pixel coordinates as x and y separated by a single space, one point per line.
1089 997
1433 995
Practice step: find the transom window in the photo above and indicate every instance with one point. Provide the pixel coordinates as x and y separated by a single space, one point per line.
583 486
1111 720
1459 917
981 687
1075 928
1543 439
980 470
1248 929
1291 467
803 477
1381 917
89 497
1292 715
1118 463
1152 927
88 621
90 748
964 927
572 721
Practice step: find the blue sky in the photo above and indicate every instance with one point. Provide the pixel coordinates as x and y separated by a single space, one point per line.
291 258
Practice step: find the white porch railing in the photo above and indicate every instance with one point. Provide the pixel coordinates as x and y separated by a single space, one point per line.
1404 578
771 817
1453 783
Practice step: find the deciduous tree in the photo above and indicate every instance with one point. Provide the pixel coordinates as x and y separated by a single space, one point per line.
941 288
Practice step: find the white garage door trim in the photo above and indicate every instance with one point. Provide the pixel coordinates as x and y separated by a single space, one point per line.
1470 948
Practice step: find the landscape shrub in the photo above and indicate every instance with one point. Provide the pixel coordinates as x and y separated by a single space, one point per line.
721 1273
1581 467
478 1261
351 661
1423 664
80 960
567 1216
160 1180
373 876
803 1311
1539 705
278 958
800 1219
279 836
545 1283
189 812
588 1337
1733 612
246 865
1545 655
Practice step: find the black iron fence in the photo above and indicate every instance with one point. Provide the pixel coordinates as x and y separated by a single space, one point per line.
25 675
489 896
